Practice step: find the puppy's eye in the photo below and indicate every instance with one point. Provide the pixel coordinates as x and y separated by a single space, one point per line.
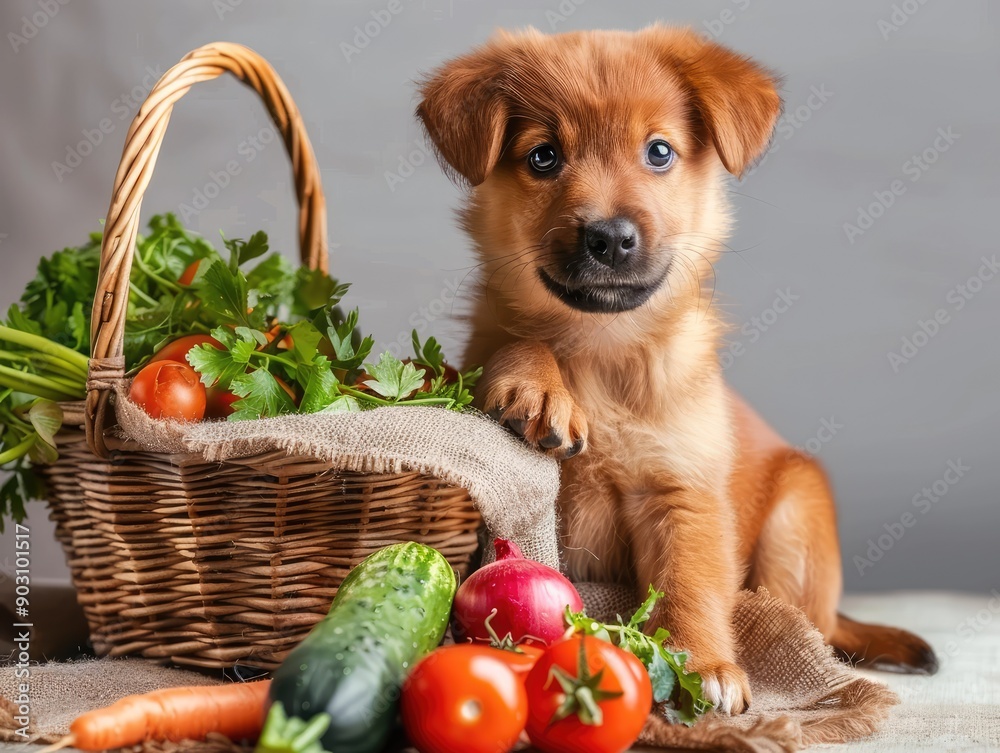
659 154
543 159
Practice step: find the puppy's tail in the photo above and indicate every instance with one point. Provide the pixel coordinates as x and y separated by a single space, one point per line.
879 647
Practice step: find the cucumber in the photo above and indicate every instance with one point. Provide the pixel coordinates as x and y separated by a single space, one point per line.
390 610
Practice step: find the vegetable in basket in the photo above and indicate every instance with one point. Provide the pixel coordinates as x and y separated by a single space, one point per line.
35 373
391 610
263 338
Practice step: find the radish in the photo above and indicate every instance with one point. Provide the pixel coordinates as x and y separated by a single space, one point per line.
513 597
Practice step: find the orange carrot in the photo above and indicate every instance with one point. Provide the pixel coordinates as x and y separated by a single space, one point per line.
235 710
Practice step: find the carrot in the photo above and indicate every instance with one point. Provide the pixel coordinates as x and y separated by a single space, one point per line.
190 713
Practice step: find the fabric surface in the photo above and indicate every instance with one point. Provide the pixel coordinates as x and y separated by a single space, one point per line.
958 709
61 692
514 487
801 693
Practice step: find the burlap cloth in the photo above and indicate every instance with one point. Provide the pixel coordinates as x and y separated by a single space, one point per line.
801 694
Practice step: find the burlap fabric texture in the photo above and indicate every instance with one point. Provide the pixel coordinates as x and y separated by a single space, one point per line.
801 694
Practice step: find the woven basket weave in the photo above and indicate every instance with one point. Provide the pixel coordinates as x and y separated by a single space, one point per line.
209 564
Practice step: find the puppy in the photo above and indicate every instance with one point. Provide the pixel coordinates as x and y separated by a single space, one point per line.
598 204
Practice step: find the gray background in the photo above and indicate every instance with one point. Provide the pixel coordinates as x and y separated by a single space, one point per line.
887 91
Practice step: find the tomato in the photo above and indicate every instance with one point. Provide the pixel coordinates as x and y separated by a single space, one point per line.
169 389
187 276
617 682
523 659
218 402
464 699
178 349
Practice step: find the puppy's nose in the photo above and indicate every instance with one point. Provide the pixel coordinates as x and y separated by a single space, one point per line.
610 241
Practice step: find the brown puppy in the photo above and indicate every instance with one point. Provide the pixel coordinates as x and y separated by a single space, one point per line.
597 161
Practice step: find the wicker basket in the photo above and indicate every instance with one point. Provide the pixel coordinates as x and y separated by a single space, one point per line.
209 564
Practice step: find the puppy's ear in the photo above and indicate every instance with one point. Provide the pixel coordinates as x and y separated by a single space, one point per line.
465 115
737 98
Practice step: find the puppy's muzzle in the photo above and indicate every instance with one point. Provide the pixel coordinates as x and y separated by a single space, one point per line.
610 242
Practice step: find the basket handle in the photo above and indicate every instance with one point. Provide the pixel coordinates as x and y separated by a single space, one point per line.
142 145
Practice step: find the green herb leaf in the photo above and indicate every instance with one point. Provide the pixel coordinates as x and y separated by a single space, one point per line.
218 367
394 379
46 417
348 353
240 251
662 677
673 685
644 612
226 294
321 386
274 281
260 396
428 354
315 290
305 341
20 487
343 404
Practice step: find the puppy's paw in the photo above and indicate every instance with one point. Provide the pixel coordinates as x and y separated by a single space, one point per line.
546 416
727 687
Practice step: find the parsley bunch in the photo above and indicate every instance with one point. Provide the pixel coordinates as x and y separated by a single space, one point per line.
284 344
674 687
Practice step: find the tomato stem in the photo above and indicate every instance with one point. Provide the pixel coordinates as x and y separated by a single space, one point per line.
582 694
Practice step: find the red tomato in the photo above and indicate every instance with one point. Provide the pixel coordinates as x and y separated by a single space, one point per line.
218 403
187 276
523 659
623 697
169 389
464 699
178 349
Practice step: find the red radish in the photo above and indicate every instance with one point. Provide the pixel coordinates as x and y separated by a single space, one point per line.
528 598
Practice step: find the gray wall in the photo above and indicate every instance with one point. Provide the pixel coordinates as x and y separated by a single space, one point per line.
866 90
